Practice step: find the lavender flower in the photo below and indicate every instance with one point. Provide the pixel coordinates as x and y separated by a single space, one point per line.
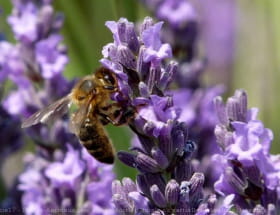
214 21
38 57
170 197
163 147
163 144
248 170
37 54
71 183
24 21
11 65
50 57
195 100
59 178
178 13
181 26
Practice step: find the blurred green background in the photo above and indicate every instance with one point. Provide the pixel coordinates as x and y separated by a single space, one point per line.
256 66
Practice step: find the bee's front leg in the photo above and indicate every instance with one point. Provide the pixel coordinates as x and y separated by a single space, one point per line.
115 114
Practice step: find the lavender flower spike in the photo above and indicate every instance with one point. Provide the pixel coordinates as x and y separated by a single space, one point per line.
163 148
248 170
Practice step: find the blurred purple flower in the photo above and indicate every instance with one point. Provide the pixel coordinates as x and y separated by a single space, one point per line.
218 36
66 183
24 22
5 49
176 12
17 102
11 65
48 55
39 59
214 19
36 59
67 172
37 54
197 105
26 64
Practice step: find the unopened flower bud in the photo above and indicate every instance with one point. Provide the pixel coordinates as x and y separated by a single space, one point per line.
157 196
127 158
122 205
172 192
196 183
147 164
128 185
160 157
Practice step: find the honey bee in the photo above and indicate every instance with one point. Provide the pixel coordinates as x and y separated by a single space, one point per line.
95 109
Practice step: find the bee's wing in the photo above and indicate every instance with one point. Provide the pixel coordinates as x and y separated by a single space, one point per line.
49 113
77 118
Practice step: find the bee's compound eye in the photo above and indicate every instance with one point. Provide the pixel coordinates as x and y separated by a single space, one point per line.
86 86
109 78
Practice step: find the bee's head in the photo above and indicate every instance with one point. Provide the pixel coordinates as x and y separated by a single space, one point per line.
107 78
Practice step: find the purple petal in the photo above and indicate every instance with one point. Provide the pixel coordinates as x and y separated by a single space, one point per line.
140 202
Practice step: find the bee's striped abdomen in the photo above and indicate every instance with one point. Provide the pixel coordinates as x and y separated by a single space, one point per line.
93 137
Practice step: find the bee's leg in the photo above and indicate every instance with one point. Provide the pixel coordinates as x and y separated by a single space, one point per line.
116 114
109 114
126 115
113 118
104 120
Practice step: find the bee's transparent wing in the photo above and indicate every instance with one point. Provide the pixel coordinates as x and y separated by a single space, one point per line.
77 118
49 113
